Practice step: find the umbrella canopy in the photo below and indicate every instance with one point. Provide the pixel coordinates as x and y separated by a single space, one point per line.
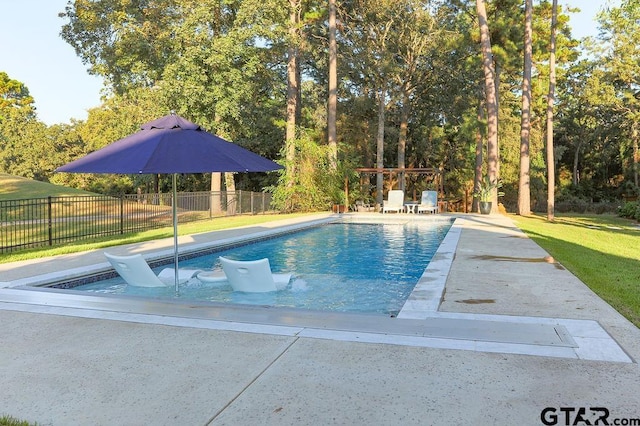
170 145
167 145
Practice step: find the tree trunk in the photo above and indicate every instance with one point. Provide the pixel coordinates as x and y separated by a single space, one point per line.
497 79
292 88
551 166
333 88
576 156
636 154
402 138
380 148
477 179
216 195
524 184
490 100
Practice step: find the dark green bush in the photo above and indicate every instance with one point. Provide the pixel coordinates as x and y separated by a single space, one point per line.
571 204
630 209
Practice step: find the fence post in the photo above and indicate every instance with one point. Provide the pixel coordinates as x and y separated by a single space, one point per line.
251 196
121 214
50 221
263 206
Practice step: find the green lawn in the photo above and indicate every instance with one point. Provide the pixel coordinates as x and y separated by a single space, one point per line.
602 250
15 187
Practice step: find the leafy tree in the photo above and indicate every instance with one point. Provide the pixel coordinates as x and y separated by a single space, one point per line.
14 95
416 43
368 25
306 190
206 61
621 30
127 42
589 127
19 128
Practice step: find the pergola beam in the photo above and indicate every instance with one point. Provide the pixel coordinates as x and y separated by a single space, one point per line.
391 170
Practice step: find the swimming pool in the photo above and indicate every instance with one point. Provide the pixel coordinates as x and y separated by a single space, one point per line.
345 267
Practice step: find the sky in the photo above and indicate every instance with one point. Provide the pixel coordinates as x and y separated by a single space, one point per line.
32 52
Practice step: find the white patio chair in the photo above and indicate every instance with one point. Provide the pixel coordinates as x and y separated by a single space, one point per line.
136 272
394 202
429 202
253 275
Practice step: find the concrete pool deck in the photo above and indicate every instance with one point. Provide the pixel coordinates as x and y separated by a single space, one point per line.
487 355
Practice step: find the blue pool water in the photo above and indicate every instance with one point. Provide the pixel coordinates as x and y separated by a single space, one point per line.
346 267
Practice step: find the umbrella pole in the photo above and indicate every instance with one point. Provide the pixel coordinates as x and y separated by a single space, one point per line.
175 230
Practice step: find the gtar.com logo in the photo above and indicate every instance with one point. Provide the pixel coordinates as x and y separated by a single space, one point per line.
587 416
574 416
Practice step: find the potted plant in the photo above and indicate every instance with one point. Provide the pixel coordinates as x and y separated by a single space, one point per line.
484 192
339 208
339 201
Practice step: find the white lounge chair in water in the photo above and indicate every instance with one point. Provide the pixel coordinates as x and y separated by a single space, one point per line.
136 272
253 275
394 202
429 202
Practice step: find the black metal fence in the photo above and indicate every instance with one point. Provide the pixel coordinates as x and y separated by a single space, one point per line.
37 222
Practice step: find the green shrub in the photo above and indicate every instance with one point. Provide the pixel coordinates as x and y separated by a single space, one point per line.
309 187
630 209
571 204
603 207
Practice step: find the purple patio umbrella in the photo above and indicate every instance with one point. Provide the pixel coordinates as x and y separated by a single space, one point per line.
170 145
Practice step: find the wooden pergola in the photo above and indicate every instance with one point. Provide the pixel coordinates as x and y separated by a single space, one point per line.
436 174
437 177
